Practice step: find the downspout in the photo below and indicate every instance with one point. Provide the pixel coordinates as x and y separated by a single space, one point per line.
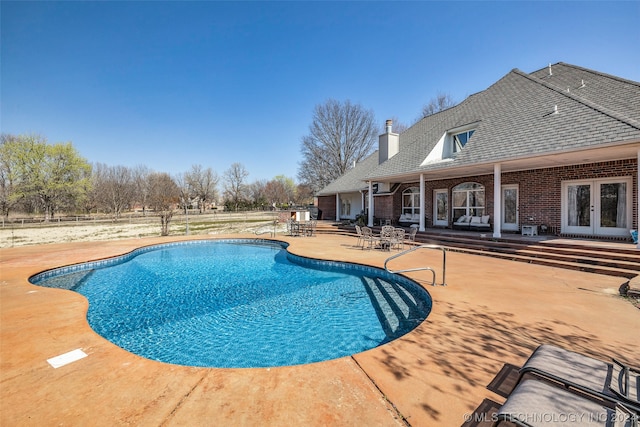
337 207
497 200
370 219
422 200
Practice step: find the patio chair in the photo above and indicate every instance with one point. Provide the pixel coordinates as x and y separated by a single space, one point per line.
412 233
310 228
397 238
609 382
537 403
359 233
386 235
367 236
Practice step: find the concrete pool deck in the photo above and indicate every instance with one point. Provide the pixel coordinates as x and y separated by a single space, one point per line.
492 314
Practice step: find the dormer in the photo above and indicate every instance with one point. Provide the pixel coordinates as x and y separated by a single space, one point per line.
450 144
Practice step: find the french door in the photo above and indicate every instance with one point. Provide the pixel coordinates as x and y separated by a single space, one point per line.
509 208
441 207
597 207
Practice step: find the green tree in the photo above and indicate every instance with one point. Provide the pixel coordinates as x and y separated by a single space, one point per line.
9 173
52 177
65 174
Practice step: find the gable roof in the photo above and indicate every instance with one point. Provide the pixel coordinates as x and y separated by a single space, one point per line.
514 119
353 179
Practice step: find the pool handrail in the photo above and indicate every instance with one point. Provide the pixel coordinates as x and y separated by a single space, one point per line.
444 262
271 232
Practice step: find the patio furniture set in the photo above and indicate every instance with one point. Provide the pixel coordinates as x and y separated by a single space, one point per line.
302 228
389 237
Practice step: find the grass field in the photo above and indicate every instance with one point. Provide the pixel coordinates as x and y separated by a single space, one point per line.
21 233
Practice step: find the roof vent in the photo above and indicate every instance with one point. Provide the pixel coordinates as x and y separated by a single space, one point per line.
555 109
388 125
582 85
550 72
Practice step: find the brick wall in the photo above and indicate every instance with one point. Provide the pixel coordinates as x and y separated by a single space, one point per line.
540 191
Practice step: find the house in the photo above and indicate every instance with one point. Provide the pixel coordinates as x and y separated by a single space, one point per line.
556 151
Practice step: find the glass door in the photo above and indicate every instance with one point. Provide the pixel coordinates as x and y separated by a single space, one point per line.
510 207
578 217
612 207
441 207
597 207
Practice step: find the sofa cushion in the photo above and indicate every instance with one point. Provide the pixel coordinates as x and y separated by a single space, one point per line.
475 220
463 218
485 219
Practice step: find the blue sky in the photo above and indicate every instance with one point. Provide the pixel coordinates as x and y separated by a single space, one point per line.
173 84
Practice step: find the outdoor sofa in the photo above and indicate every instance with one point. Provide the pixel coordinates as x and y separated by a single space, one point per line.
469 222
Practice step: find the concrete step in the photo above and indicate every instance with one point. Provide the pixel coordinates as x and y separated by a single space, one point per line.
613 261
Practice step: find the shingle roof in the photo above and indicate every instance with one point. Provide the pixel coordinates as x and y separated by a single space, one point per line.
614 93
353 179
513 120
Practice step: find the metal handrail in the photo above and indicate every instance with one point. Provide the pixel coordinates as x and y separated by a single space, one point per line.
444 262
273 233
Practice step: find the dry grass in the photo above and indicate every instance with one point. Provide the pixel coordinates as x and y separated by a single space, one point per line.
13 235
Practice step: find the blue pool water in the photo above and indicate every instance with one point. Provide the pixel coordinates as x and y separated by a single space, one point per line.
241 303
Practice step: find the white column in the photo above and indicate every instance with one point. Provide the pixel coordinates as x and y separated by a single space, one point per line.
370 219
337 206
497 199
638 200
422 202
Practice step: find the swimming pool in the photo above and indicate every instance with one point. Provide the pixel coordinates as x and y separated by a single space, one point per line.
241 303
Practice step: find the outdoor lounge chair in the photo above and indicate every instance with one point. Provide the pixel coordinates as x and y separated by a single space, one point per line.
610 382
537 403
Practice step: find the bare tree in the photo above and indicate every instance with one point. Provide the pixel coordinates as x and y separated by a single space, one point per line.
304 194
256 192
234 185
163 197
202 184
276 193
140 175
442 101
115 187
398 126
340 134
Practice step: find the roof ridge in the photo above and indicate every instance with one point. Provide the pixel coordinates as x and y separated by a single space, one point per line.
604 110
600 73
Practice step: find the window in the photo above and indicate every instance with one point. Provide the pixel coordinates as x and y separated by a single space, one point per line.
461 139
411 202
468 199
